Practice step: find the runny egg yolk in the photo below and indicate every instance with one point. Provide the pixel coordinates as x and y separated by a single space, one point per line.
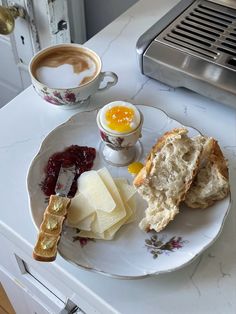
135 167
120 118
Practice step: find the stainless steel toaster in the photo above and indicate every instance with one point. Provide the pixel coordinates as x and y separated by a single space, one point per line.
194 46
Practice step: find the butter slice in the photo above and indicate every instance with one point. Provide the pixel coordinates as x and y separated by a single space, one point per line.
93 188
79 209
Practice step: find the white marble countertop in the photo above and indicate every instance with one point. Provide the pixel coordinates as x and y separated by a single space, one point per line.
208 285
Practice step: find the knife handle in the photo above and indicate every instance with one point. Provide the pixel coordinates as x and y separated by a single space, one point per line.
58 205
45 249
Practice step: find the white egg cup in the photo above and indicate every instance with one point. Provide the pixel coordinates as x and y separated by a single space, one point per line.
120 149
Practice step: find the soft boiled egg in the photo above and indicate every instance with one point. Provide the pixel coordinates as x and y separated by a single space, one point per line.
119 117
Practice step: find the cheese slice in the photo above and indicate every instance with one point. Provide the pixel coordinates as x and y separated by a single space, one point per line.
86 223
102 205
128 194
126 190
111 186
132 205
79 209
110 233
129 202
91 235
93 188
105 220
120 180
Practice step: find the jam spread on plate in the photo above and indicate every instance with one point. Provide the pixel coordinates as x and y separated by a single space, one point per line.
80 156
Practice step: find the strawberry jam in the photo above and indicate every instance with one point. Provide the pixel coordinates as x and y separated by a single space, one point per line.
80 156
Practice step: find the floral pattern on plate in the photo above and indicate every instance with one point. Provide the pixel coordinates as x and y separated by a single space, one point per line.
82 241
156 245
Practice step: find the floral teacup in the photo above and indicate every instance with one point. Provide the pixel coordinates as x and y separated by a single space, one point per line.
66 75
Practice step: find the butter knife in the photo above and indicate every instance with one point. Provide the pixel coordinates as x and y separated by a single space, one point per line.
45 249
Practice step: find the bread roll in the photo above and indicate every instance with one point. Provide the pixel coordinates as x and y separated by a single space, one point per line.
211 183
166 177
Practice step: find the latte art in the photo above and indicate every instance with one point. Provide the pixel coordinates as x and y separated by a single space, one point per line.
66 68
63 76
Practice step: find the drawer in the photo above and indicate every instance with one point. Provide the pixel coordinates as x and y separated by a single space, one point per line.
35 279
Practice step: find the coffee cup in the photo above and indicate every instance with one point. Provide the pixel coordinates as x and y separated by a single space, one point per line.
67 75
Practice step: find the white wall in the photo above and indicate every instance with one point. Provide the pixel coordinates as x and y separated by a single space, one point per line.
99 13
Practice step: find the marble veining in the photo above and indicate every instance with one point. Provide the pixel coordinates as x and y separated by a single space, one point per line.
6 147
140 89
107 48
194 272
207 286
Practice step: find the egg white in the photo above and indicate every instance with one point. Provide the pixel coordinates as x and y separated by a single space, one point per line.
135 122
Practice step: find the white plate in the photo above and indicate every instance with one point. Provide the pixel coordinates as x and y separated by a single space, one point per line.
133 253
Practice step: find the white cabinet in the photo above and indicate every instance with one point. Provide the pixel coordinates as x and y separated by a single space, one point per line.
29 285
20 298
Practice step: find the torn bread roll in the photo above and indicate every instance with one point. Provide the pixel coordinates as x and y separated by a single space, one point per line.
177 169
165 179
211 183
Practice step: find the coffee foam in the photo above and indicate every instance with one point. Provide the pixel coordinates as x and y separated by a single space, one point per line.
65 68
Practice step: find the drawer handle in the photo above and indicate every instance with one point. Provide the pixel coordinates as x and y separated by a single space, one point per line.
71 308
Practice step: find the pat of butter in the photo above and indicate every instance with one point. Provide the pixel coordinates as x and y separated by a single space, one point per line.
93 188
51 224
47 243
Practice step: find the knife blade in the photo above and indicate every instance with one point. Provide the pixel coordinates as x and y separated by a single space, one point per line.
45 249
64 181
